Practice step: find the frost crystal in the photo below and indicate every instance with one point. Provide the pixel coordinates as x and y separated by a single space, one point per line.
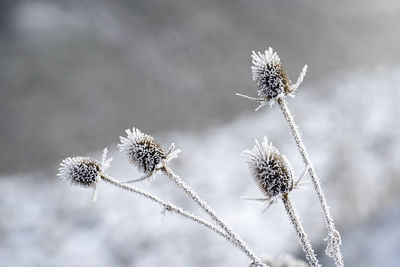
83 171
272 81
271 171
143 152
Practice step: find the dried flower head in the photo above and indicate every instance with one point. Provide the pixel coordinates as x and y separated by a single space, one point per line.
145 153
272 81
271 170
83 171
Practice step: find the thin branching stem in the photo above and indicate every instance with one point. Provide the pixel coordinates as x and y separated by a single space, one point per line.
191 193
175 209
333 239
166 205
305 243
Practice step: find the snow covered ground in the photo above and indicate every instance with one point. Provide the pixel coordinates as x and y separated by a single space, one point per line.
352 134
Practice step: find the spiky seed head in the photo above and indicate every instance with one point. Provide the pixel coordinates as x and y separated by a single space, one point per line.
272 81
271 170
142 151
81 171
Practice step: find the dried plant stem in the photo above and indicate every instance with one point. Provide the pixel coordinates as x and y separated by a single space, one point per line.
167 206
305 243
333 239
190 192
172 208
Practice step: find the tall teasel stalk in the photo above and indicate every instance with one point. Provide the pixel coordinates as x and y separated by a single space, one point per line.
274 177
274 86
150 158
86 172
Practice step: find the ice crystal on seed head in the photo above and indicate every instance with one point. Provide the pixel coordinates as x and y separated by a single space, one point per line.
83 171
272 81
271 170
145 153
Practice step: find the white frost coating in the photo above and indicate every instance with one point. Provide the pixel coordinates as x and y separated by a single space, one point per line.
274 177
299 79
301 234
268 74
235 239
259 60
105 163
84 171
146 154
69 168
351 203
272 81
333 239
271 170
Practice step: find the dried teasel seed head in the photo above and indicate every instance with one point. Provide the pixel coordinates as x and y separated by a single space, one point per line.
143 152
272 81
271 170
80 171
83 171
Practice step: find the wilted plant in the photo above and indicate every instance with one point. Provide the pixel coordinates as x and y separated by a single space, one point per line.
273 85
271 170
150 158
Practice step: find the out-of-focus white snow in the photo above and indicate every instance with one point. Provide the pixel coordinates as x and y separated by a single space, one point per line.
351 131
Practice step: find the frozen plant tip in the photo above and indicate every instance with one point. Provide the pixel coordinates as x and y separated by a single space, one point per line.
83 171
274 177
271 170
272 81
145 153
80 171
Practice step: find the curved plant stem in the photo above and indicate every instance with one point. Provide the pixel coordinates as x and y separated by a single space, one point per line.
172 208
191 193
305 243
333 238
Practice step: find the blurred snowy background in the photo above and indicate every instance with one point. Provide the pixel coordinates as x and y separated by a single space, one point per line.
75 74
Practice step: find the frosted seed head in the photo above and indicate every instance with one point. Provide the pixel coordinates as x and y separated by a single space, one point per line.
271 170
142 151
80 171
272 81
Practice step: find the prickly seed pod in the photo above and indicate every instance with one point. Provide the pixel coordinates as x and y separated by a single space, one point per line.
83 171
80 171
271 170
145 153
272 81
